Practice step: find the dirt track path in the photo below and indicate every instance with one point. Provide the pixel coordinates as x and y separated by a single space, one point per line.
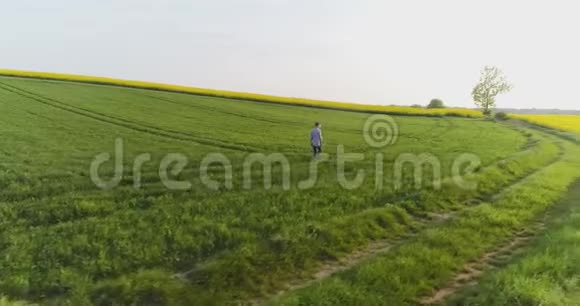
498 258
472 271
355 258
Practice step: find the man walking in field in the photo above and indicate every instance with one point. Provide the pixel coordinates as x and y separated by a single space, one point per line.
316 139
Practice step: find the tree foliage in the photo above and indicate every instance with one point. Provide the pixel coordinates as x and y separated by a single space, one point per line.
491 83
501 116
436 103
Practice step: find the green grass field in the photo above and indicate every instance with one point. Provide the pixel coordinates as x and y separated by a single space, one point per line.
64 241
545 274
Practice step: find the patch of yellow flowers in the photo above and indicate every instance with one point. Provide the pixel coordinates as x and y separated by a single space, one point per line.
397 110
568 123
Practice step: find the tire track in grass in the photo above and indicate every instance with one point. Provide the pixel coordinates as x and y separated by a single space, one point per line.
473 270
207 108
139 127
355 258
470 271
549 240
379 247
523 179
292 124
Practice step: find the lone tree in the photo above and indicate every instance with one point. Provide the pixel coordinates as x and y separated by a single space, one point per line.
491 83
436 103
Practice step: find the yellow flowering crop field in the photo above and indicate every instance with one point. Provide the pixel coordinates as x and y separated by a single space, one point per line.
568 123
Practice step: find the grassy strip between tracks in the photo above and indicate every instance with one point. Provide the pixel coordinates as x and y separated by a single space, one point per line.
548 273
419 267
266 265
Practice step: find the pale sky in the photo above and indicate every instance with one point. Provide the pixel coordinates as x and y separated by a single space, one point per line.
379 52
